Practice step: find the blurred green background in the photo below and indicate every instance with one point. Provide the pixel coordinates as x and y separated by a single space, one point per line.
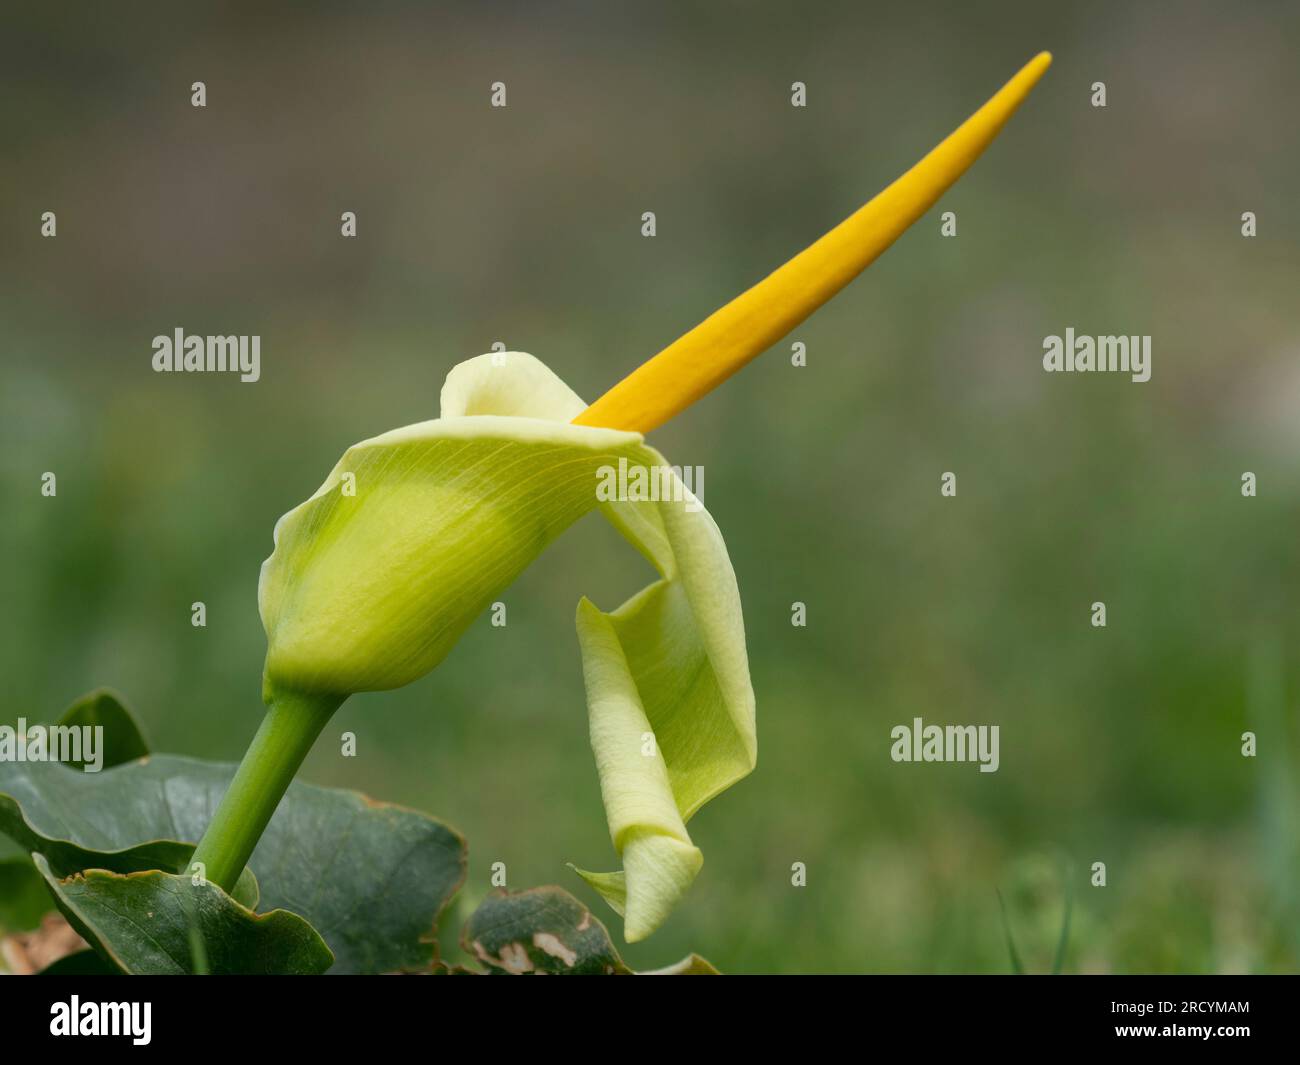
522 225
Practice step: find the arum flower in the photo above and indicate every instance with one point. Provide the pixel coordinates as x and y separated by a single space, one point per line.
415 532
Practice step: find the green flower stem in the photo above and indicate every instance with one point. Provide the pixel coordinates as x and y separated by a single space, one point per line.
291 726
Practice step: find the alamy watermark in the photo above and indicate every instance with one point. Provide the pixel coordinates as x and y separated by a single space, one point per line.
77 1018
80 744
1084 354
634 483
920 742
190 353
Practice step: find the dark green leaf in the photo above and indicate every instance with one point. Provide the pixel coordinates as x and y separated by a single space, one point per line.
151 922
41 786
46 809
370 877
19 798
122 738
547 930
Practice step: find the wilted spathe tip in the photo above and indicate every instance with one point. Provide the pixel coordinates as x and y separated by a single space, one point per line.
729 338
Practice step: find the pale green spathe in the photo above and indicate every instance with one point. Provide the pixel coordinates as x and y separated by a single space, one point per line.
371 590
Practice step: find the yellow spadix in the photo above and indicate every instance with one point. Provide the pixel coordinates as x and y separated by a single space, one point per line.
755 320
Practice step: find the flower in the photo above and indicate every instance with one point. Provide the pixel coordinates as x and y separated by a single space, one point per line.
371 588
415 532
